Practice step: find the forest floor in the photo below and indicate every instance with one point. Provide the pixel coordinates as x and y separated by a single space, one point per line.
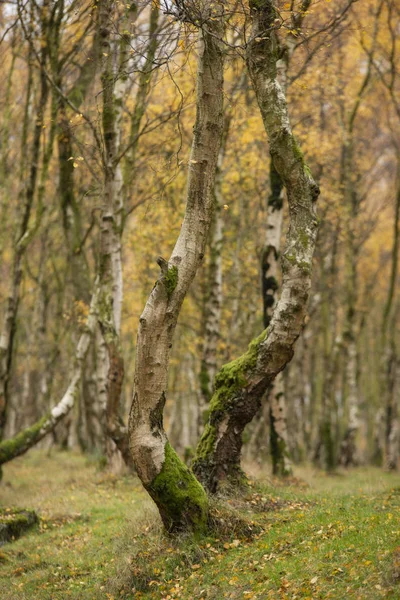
99 537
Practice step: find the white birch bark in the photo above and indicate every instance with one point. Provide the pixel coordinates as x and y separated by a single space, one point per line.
115 84
181 500
239 385
270 266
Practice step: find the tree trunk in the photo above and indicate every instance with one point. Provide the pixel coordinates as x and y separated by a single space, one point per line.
281 464
26 439
114 79
348 450
270 270
181 500
391 368
212 311
24 236
239 385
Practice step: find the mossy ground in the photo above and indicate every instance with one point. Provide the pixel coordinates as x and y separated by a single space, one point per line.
14 522
338 537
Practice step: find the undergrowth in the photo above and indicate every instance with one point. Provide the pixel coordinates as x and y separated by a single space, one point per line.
99 537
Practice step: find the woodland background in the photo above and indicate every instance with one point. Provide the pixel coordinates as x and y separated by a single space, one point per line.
105 107
342 90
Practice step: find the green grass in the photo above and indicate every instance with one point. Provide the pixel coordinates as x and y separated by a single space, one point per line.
100 537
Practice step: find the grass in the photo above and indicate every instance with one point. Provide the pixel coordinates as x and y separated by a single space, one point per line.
100 538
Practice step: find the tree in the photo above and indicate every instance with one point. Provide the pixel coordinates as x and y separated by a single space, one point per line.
180 498
239 385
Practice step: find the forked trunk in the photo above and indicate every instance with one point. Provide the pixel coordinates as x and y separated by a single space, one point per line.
180 498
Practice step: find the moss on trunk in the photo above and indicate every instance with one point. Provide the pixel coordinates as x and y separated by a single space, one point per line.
20 443
229 381
181 500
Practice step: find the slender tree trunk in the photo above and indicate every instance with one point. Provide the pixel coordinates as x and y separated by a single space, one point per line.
89 430
325 452
392 437
24 236
213 305
181 500
26 439
281 464
389 349
239 385
348 450
270 270
114 79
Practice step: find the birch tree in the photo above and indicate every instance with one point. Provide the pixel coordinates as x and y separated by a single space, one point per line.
181 500
239 385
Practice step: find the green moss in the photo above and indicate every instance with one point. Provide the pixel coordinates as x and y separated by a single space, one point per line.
297 150
304 266
13 522
290 258
171 280
300 157
15 446
206 445
232 376
303 236
182 501
307 169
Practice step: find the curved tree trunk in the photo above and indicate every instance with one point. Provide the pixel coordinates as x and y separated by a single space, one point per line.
181 500
270 269
26 439
239 385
